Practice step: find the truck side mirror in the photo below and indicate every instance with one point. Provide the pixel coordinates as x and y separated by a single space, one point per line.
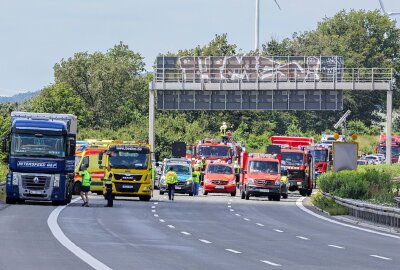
100 158
244 171
4 144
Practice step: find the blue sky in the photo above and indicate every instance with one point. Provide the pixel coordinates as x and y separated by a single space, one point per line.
36 34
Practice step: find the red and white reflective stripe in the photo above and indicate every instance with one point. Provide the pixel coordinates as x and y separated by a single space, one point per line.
96 175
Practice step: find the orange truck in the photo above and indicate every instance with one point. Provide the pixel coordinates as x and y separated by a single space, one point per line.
261 177
219 177
297 160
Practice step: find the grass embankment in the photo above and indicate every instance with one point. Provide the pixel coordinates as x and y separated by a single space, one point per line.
3 171
328 205
372 183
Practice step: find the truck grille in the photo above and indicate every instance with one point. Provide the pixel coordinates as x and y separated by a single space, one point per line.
128 177
266 182
35 182
219 182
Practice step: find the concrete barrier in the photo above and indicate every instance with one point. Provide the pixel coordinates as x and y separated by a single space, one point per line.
385 215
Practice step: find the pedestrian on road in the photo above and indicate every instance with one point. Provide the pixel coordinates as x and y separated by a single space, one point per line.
109 197
171 179
86 181
196 180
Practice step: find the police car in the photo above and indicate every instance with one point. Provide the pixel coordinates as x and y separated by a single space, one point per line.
183 169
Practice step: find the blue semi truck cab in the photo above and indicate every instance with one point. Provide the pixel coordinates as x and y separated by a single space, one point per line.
41 149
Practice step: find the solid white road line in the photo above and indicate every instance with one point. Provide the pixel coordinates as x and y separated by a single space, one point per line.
302 237
302 207
270 263
237 215
334 246
205 241
259 224
64 240
233 251
380 257
171 226
185 233
246 219
280 231
161 220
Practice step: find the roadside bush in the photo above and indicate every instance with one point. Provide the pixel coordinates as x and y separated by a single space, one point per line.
328 205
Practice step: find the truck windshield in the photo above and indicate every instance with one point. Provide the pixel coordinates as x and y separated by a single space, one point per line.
292 158
178 168
214 151
263 166
31 145
129 159
219 169
320 155
395 150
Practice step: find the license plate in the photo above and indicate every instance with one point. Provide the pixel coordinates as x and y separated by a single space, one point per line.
264 190
127 186
219 187
35 192
176 187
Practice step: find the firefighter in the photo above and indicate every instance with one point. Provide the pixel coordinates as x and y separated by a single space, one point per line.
237 172
171 179
109 196
196 180
222 131
203 164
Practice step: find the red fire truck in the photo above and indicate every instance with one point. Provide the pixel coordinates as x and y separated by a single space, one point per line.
212 149
261 177
297 159
321 159
381 148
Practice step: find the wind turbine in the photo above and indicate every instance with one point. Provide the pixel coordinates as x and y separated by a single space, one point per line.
257 31
387 13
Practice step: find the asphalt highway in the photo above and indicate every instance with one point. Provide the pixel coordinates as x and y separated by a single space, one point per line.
205 232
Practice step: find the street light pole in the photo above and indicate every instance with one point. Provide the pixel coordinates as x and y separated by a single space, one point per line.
257 26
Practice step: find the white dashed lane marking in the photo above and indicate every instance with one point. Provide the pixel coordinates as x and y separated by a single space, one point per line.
259 224
246 219
156 203
153 207
237 215
270 263
334 246
380 257
185 233
155 215
280 231
205 241
229 206
171 226
233 251
153 211
302 237
161 220
231 210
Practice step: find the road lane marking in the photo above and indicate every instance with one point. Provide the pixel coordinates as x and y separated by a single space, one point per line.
259 224
229 203
230 200
153 207
161 220
156 203
233 251
205 241
153 211
270 263
280 231
380 257
246 219
334 246
231 210
299 204
66 242
171 226
237 215
302 237
185 233
155 215
229 206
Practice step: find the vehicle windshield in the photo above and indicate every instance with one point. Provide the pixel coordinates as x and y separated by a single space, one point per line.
77 159
214 151
178 168
395 150
320 155
31 145
219 169
292 158
263 166
129 159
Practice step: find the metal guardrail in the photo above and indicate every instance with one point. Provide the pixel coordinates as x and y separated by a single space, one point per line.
389 216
